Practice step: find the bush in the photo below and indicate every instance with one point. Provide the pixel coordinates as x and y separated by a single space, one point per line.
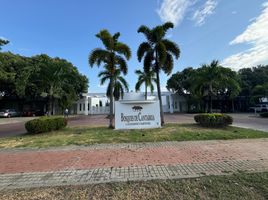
213 120
45 124
265 115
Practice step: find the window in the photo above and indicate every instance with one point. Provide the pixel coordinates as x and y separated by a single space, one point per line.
80 107
88 106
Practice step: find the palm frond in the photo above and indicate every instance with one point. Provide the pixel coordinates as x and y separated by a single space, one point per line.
123 82
143 48
148 60
122 48
138 85
97 56
172 47
106 38
167 26
169 63
122 64
146 31
162 53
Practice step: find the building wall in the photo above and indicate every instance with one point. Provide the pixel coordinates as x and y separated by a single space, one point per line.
90 104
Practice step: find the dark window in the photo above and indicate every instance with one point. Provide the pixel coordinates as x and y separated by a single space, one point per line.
80 107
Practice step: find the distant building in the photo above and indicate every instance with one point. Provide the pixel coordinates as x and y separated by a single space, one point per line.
98 103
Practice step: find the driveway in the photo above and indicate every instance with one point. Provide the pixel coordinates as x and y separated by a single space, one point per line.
245 120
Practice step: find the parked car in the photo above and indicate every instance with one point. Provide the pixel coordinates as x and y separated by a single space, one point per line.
259 108
9 113
32 113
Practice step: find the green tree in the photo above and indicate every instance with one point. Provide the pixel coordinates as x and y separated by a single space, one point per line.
120 84
113 57
183 83
147 78
157 53
59 80
252 80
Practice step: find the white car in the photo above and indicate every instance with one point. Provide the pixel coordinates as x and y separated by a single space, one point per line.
8 113
260 108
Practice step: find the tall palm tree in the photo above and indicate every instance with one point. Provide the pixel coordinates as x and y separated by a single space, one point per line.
157 53
148 78
120 84
113 57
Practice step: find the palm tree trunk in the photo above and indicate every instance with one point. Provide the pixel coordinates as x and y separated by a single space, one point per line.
111 103
160 99
145 91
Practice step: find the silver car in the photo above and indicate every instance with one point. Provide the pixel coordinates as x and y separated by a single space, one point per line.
9 113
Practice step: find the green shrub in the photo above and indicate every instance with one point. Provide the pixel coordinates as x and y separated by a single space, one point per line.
213 120
45 124
265 115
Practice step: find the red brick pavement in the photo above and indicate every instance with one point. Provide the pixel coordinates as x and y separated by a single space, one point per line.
120 156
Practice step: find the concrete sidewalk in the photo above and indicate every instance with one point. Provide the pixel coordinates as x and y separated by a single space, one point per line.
123 162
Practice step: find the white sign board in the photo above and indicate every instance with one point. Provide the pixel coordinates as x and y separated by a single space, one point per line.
137 114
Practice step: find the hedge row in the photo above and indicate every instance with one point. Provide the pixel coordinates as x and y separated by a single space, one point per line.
45 124
265 115
213 120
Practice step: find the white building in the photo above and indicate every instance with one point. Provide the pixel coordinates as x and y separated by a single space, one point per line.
98 103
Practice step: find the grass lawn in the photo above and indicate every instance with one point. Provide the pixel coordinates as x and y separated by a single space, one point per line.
87 136
238 186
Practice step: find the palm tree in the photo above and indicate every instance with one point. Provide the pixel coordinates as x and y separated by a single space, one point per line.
158 53
211 77
120 84
148 78
113 57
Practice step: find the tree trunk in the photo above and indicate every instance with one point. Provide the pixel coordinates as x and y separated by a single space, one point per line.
210 98
160 99
145 91
111 103
50 102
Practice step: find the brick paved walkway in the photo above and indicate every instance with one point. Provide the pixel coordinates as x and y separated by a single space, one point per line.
121 162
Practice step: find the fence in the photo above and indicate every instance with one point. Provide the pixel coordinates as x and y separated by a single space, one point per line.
98 110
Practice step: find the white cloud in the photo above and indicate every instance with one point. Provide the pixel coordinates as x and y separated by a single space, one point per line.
204 11
174 10
256 34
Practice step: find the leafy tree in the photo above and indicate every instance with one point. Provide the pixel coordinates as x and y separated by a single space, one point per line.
147 78
252 80
183 83
209 81
3 42
59 80
157 53
120 84
40 76
113 57
15 74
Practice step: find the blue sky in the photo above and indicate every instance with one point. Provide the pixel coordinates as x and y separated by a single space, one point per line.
235 32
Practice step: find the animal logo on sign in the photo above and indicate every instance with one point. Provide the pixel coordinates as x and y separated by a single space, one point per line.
136 108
